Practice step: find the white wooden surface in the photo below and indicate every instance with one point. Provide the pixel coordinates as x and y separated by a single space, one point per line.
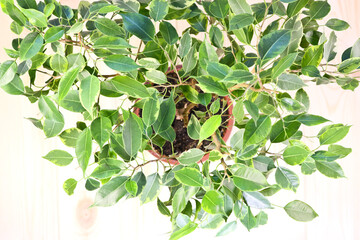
33 205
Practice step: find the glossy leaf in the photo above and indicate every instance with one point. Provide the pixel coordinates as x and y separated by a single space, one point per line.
111 192
139 25
189 177
83 149
151 189
132 136
121 63
294 155
213 202
100 129
158 9
273 44
287 179
130 86
300 211
249 179
209 127
89 92
256 132
191 156
59 157
30 46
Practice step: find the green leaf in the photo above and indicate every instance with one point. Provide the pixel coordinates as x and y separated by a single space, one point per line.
151 189
209 85
213 202
284 129
59 157
54 34
130 86
59 63
190 60
105 170
287 179
349 65
292 105
132 136
179 201
158 9
295 25
332 134
83 149
35 17
69 186
294 155
149 63
337 24
238 112
219 8
313 56
185 44
189 176
311 120
252 109
256 200
257 132
216 37
131 187
100 129
156 76
72 102
111 192
339 150
15 87
290 82
300 211
210 126
30 46
162 208
89 92
308 166
207 54
8 70
248 179
92 184
111 42
191 156
150 111
128 6
283 64
121 63
217 70
227 228
295 7
166 115
67 81
189 228
212 221
54 120
273 44
70 136
139 25
181 4
108 27
193 128
319 9
241 21
240 6
168 32
330 169
27 4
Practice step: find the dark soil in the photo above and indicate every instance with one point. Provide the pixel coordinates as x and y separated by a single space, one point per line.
182 141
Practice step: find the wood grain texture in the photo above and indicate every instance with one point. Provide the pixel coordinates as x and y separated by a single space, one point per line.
33 205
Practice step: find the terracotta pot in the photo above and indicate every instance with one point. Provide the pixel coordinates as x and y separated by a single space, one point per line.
229 126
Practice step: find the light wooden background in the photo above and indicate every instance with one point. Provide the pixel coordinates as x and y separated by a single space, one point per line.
33 205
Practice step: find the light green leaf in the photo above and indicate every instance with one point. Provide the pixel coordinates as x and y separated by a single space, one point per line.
300 211
111 192
59 157
189 176
156 76
209 85
30 46
168 32
332 134
108 27
70 136
89 92
217 70
15 87
179 201
295 7
330 169
241 21
35 17
83 149
185 44
213 202
158 9
128 5
248 179
283 64
311 120
111 42
216 37
189 228
191 156
212 221
130 86
67 81
139 25
240 6
150 111
273 44
313 56
319 9
257 132
166 115
54 34
105 170
337 24
69 186
132 136
54 120
210 126
132 187
100 129
227 228
256 200
349 65
121 63
193 128
151 189
8 70
287 179
207 54
294 155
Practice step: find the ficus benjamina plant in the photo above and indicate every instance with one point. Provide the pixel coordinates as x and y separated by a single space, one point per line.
235 66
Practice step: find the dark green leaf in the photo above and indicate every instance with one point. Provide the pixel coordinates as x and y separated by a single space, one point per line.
241 21
166 115
319 9
273 44
139 25
337 24
30 46
168 32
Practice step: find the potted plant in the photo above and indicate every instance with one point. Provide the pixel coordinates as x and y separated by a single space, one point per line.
178 95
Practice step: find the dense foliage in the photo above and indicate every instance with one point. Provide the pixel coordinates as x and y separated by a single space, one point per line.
261 56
